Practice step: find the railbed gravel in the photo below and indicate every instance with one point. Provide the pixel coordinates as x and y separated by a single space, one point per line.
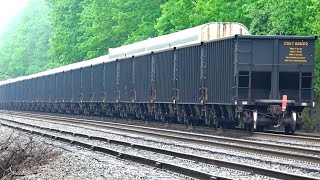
220 171
77 164
292 166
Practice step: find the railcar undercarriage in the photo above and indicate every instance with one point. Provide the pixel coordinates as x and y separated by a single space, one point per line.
254 118
251 118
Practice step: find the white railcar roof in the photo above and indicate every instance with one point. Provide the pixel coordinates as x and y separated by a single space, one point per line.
78 65
196 35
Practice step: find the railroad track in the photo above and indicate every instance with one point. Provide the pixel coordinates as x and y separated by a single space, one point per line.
298 136
162 165
310 156
297 153
272 134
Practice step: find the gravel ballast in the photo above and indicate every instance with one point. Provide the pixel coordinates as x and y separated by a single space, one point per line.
77 163
213 170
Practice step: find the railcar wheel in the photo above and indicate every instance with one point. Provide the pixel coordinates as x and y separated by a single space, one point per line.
260 128
289 130
224 125
249 127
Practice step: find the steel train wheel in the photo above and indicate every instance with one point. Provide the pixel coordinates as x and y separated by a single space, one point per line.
288 129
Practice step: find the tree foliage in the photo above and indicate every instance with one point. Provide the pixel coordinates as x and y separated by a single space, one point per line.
181 14
66 34
287 17
24 49
125 22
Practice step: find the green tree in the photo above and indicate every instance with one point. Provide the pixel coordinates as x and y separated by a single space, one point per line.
287 17
220 11
24 49
126 22
175 15
67 34
182 14
97 22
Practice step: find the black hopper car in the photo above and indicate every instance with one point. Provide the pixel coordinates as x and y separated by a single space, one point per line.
215 74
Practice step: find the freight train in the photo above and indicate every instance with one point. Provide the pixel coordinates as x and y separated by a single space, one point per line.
215 74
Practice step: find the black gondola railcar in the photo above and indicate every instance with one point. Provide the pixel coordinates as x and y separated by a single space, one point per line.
214 74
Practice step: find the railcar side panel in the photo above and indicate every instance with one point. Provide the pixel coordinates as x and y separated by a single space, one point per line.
163 77
28 91
2 93
25 90
125 78
10 92
142 79
76 85
60 87
110 81
220 70
7 92
86 83
34 90
15 93
20 84
18 91
8 99
52 88
46 88
188 70
41 85
97 82
68 86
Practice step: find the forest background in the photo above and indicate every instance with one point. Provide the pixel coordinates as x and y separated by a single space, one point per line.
52 33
